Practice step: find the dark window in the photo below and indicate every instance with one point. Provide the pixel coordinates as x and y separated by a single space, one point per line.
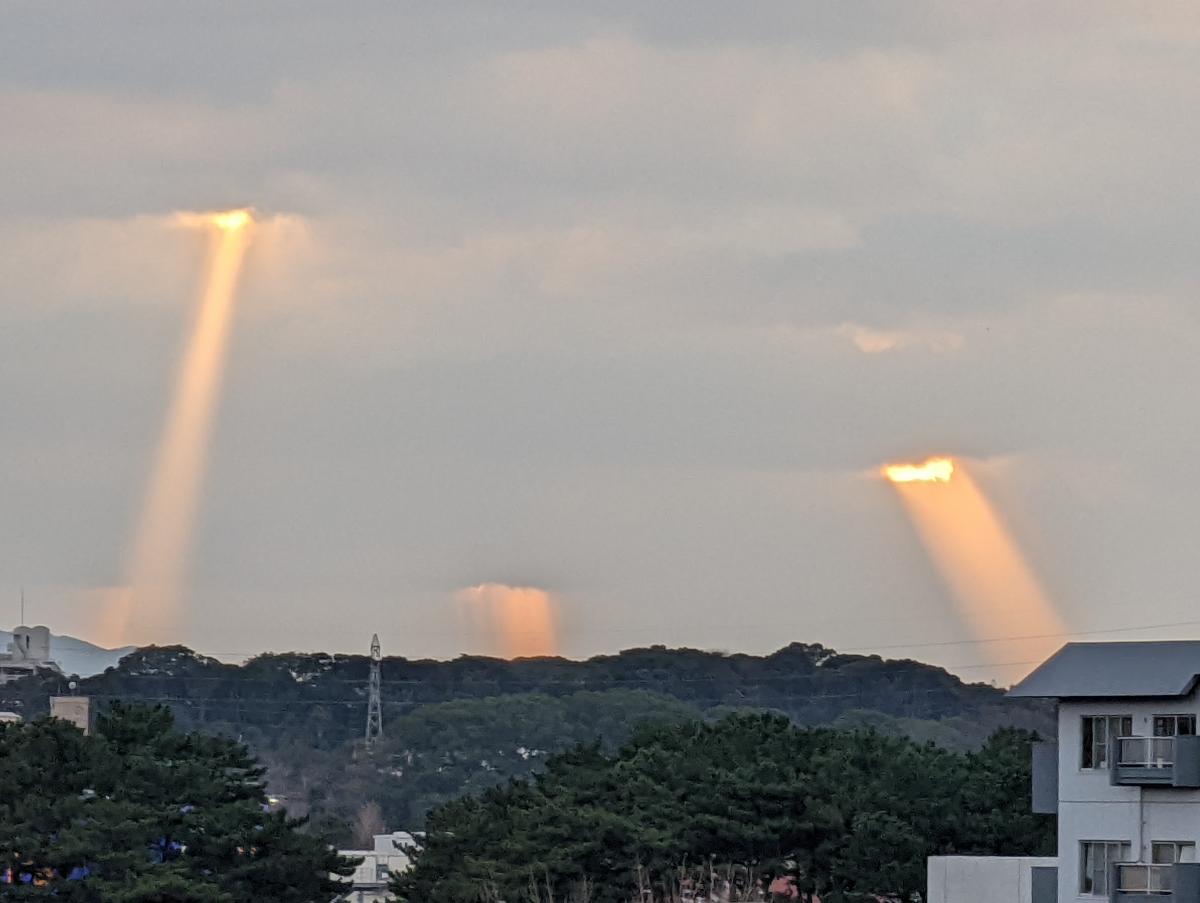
1100 734
1169 852
1174 725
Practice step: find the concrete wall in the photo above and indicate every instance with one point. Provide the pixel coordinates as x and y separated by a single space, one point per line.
983 879
76 709
1091 808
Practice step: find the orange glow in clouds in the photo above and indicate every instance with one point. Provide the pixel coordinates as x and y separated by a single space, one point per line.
517 621
157 566
935 470
998 593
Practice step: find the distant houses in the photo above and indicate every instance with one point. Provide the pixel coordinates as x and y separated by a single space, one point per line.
371 878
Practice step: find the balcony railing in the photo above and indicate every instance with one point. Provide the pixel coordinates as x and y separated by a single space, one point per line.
1140 880
1156 761
1145 752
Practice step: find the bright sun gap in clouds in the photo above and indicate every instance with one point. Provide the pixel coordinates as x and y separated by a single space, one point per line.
935 470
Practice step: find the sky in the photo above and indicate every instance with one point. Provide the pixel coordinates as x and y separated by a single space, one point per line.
623 303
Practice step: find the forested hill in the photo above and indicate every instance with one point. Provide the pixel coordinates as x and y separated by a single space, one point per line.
320 698
460 726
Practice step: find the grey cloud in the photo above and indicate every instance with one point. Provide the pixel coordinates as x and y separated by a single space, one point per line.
568 297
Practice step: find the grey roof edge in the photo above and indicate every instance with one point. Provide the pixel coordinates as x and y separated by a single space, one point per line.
1119 669
1019 690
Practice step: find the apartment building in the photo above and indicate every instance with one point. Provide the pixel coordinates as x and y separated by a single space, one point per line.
1123 776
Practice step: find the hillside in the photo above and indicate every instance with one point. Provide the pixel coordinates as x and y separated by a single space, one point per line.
464 724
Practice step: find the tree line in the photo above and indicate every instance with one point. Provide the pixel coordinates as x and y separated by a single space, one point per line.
461 726
320 699
748 808
142 813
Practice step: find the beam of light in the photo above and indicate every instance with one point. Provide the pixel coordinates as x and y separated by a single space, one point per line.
997 591
158 560
516 621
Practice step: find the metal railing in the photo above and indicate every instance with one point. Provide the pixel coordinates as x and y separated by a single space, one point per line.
1141 878
1146 752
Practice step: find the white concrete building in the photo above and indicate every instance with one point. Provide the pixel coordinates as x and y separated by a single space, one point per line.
28 653
1123 777
372 877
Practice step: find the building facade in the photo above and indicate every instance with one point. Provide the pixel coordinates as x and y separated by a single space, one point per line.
371 878
1123 776
27 653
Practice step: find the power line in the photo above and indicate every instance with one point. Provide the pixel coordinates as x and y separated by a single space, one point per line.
268 702
846 649
1030 636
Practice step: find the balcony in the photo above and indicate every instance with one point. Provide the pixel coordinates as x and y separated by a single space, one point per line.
1157 762
1139 882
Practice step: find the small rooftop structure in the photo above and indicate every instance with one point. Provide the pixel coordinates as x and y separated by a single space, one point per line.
1150 668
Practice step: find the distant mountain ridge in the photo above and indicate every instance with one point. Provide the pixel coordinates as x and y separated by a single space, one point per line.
76 656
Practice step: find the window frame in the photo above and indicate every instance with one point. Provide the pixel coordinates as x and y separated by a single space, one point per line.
1177 847
1188 717
1090 756
1111 858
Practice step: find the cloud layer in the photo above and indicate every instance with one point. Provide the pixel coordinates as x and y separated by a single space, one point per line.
620 302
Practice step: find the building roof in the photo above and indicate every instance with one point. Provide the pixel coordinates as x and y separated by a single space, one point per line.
1110 670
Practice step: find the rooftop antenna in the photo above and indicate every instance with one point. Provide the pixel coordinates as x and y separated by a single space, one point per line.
22 624
374 705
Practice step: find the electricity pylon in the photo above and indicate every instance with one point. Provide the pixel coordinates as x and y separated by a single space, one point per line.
374 704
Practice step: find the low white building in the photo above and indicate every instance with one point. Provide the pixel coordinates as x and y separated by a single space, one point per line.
372 876
990 879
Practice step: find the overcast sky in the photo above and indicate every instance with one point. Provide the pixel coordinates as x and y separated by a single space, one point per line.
623 301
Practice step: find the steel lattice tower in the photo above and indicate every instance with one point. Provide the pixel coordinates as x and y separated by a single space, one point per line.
374 704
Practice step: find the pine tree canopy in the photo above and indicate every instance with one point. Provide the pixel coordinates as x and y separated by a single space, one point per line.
141 813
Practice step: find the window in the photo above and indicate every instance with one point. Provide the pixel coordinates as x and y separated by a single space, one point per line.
1099 735
1168 852
1096 859
1174 725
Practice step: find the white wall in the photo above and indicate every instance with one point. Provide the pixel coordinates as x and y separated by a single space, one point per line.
1090 808
368 888
982 879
